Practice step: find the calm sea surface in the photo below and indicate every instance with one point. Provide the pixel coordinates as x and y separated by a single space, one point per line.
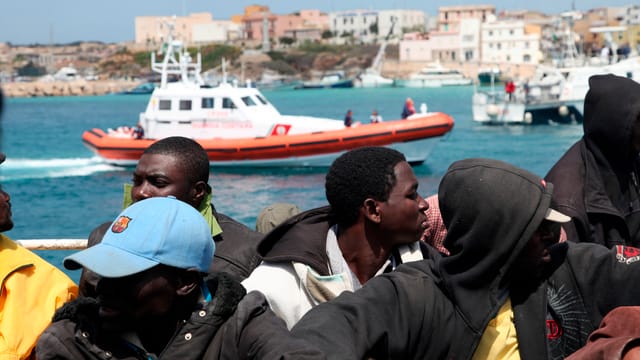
60 190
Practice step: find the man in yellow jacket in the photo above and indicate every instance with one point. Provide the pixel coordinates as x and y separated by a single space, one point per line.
32 290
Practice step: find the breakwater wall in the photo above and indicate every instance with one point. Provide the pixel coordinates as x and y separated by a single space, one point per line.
66 88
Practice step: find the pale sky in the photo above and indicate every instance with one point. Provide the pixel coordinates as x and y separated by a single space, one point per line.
64 21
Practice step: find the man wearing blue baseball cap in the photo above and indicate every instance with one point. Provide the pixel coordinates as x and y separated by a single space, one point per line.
152 300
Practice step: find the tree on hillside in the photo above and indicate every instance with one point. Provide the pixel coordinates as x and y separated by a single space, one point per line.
212 55
373 28
327 34
286 40
31 69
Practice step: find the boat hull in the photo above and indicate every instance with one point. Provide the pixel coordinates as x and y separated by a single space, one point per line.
414 137
430 83
487 110
344 84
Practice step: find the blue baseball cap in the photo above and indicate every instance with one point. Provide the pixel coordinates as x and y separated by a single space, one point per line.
159 230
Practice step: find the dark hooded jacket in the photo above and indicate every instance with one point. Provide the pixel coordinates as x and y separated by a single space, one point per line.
596 180
303 238
439 308
230 326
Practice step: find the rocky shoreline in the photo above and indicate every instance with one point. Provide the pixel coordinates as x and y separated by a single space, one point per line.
66 88
391 69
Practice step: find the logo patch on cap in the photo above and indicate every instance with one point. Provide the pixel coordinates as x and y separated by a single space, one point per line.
120 224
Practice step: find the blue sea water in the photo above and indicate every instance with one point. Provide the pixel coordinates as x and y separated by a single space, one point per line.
59 189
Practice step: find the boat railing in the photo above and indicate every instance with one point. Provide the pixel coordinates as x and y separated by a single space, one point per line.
53 244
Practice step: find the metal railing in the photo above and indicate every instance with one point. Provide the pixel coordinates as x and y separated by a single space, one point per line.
53 244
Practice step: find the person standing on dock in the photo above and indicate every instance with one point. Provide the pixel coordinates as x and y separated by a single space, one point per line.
372 225
510 89
179 167
31 289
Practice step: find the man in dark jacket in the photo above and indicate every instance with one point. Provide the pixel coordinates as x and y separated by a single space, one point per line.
179 167
509 288
596 180
152 301
373 224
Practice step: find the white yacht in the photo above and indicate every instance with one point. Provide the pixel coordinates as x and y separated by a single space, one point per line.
434 75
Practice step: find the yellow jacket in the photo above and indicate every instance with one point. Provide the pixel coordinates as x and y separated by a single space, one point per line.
32 290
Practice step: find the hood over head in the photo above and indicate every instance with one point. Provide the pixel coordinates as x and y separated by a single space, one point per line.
491 209
611 108
301 238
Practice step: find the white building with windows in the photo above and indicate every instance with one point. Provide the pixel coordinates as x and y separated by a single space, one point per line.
358 23
462 44
509 42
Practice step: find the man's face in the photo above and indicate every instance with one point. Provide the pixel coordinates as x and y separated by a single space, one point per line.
137 300
5 211
402 215
535 257
162 175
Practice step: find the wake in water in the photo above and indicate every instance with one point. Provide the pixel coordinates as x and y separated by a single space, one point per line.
20 169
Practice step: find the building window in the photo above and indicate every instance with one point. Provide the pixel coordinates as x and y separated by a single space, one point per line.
185 104
511 32
508 57
490 32
364 19
468 55
526 58
499 46
164 105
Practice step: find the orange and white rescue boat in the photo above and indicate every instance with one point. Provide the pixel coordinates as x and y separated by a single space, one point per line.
237 126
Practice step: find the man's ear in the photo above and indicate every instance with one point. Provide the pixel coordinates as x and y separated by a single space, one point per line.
188 282
371 210
199 191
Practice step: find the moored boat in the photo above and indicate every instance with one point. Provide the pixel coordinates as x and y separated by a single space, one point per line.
335 80
434 75
238 126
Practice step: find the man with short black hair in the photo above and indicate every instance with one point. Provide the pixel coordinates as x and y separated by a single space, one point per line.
153 301
179 167
373 224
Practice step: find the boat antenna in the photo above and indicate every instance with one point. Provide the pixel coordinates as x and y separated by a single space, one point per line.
223 65
182 66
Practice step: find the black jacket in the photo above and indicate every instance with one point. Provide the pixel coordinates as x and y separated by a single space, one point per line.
303 238
231 326
235 252
235 248
596 180
439 308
